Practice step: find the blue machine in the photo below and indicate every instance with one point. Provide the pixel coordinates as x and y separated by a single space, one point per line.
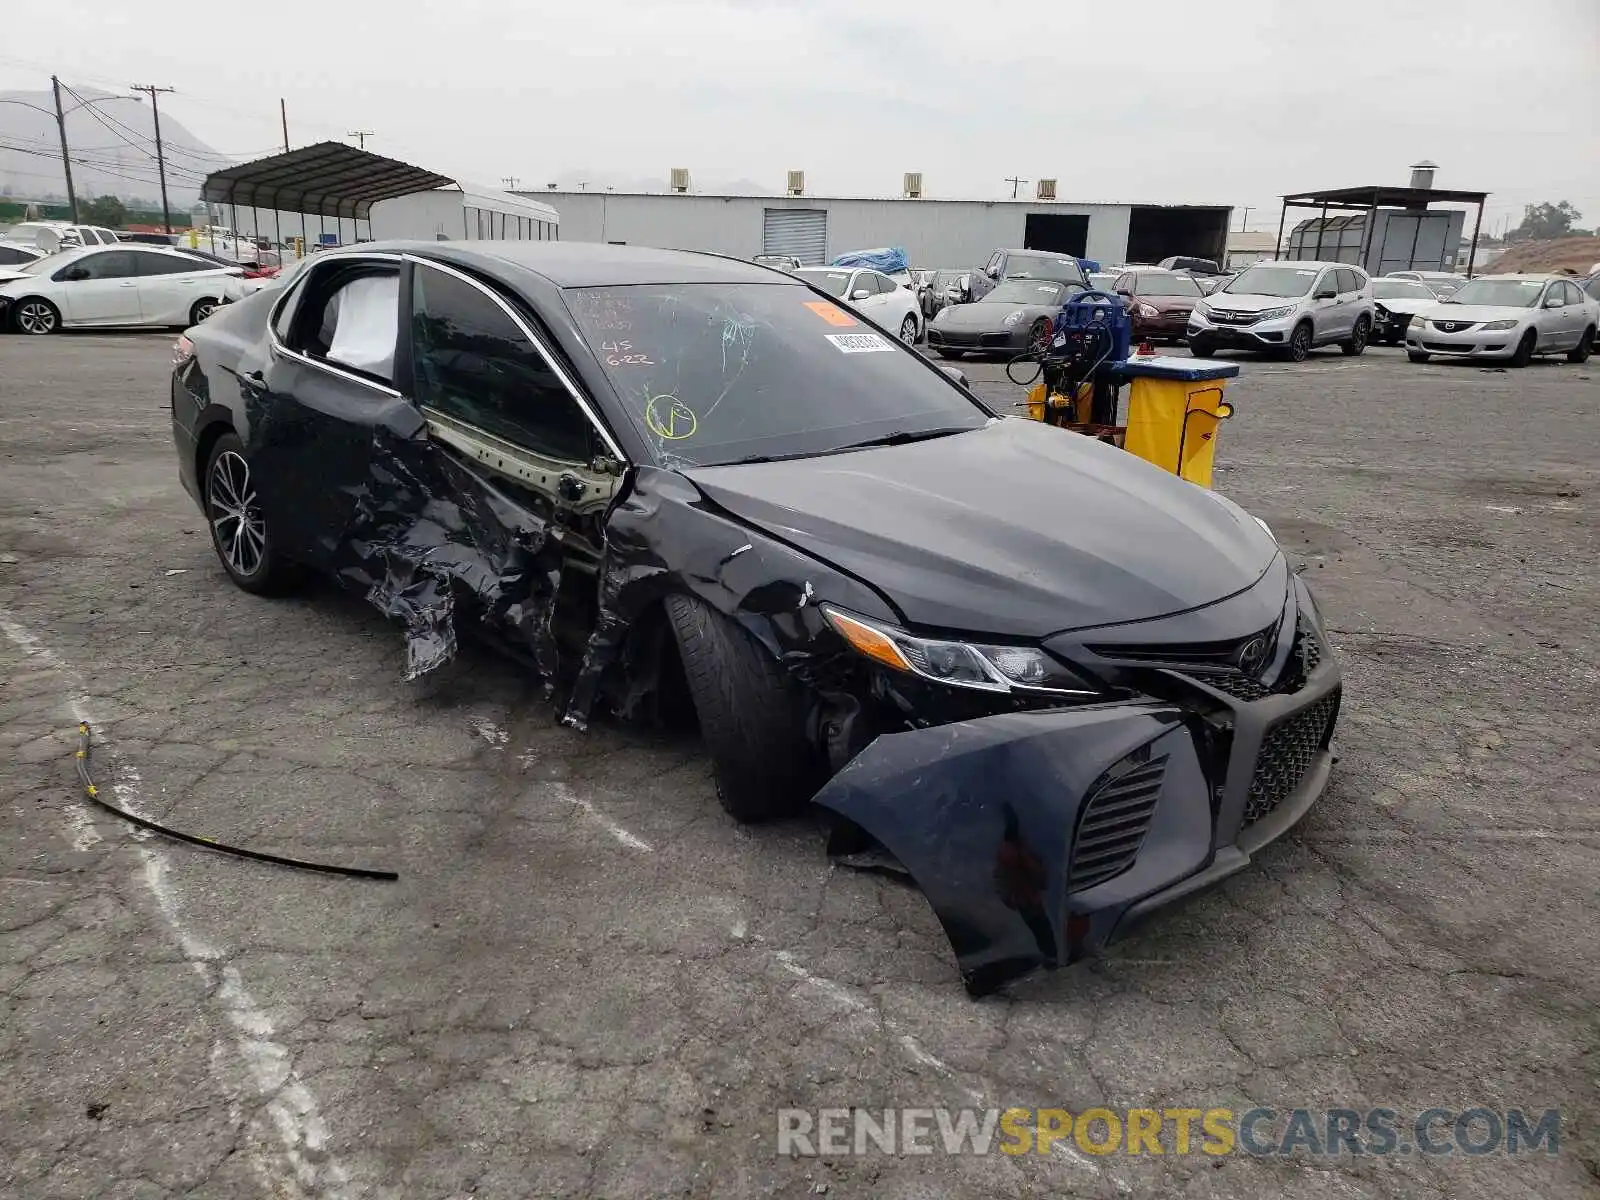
1098 318
1092 336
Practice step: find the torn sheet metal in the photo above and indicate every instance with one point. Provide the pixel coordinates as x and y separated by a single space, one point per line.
426 526
982 815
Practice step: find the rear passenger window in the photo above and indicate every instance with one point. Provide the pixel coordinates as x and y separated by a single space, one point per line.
471 361
349 316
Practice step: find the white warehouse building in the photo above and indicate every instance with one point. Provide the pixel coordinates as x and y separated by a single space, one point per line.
934 233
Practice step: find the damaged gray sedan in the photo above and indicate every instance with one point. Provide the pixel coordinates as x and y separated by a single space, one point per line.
1055 685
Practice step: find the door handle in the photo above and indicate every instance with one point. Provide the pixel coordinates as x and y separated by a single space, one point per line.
128 283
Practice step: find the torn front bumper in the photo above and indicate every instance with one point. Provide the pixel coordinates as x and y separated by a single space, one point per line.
1037 836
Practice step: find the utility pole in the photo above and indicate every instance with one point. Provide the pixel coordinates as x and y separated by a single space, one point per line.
66 160
510 181
283 116
1015 184
361 136
153 91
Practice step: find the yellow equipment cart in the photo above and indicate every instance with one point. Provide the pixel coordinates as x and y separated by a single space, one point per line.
1175 407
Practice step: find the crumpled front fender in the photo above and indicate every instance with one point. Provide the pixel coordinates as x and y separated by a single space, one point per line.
984 814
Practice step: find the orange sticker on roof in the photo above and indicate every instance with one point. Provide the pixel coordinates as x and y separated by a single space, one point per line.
831 313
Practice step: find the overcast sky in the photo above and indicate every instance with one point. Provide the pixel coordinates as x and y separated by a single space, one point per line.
1160 100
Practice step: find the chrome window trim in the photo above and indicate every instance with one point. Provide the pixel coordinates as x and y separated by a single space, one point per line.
538 343
276 343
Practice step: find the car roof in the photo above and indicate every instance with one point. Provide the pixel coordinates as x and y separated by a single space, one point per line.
1529 276
1303 262
592 264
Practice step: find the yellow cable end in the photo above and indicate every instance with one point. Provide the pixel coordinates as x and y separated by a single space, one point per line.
92 790
77 754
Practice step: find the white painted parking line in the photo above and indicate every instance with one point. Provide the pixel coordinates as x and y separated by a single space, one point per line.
631 840
302 1164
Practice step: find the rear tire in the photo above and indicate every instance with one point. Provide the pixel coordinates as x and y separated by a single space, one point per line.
1202 347
1525 349
35 315
1358 339
202 309
750 715
239 532
908 330
1585 347
1416 356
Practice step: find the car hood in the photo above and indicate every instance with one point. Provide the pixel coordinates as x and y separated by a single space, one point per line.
1169 303
1017 529
1246 302
1473 313
986 314
1408 306
10 275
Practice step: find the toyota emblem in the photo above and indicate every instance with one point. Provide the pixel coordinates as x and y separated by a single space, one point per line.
1252 655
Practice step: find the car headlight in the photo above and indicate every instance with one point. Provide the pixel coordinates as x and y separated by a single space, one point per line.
959 664
1146 310
1418 322
1012 318
1272 314
1499 325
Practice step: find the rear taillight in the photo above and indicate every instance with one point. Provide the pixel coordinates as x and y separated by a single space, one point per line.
182 350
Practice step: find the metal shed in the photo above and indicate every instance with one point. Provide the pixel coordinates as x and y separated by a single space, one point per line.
1412 202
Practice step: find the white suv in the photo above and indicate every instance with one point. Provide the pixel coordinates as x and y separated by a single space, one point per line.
1285 308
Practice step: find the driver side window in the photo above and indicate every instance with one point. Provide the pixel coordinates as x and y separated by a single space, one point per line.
473 362
349 317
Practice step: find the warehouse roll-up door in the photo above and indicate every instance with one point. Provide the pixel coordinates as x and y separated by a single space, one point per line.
802 232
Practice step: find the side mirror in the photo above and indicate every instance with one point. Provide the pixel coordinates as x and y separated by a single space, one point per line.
1326 293
76 273
860 294
1555 302
992 272
1125 292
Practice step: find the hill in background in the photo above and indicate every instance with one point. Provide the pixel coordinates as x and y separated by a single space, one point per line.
112 146
1573 254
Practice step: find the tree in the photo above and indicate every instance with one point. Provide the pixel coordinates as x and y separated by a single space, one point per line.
1541 222
107 210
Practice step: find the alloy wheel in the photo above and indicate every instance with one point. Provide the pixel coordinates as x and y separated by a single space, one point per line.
241 531
35 316
203 309
908 331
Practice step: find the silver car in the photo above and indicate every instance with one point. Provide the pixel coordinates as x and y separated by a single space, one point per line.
1512 317
1285 308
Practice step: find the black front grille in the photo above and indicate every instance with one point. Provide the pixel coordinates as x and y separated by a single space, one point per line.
1115 818
1453 326
1227 317
1215 655
1287 752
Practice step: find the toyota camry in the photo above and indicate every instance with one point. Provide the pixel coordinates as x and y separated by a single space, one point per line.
1055 685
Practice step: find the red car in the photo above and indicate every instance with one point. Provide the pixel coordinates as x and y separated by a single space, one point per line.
1160 302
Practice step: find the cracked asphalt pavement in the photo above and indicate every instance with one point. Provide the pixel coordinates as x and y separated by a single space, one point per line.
589 982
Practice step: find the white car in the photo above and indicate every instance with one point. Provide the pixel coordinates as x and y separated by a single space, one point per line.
51 236
130 284
1512 317
14 255
1440 283
872 294
1394 303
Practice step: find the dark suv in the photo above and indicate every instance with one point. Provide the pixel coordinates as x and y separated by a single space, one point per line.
1027 264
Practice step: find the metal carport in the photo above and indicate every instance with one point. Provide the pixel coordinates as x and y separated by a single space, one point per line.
329 179
1373 197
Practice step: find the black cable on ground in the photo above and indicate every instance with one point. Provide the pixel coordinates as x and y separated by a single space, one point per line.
93 793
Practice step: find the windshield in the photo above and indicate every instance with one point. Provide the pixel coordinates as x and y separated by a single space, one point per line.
1166 285
1272 281
1027 291
713 373
1067 270
1398 289
49 263
1503 293
1103 282
832 282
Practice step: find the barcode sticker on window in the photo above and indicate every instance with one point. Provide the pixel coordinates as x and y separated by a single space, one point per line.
859 343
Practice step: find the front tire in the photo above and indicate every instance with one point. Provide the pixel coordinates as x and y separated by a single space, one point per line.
1358 339
239 532
1585 347
202 309
908 330
1202 347
1525 349
1299 348
36 316
750 715
1039 336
